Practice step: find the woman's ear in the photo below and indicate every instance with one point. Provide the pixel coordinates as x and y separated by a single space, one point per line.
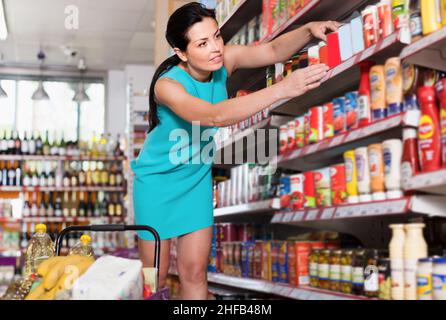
180 54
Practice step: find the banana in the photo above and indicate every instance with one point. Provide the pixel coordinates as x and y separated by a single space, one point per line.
53 276
47 265
36 293
73 272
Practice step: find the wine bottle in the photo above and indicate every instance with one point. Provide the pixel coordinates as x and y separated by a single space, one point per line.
11 174
32 144
42 207
27 207
17 143
3 144
5 174
34 209
118 152
11 144
25 145
73 205
50 206
82 210
66 205
54 146
58 206
90 205
18 175
46 145
62 146
66 176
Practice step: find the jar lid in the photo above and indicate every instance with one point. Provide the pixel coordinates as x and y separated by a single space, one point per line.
440 261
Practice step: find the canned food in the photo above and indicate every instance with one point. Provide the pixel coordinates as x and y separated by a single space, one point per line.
339 117
291 135
316 124
385 19
371 25
297 192
328 121
283 137
300 132
352 110
309 190
338 184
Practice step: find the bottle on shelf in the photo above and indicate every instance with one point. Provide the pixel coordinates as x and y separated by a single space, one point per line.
25 144
32 145
74 205
40 248
3 144
4 174
27 207
118 151
11 144
102 147
58 206
17 143
39 145
62 146
82 206
46 145
49 204
54 147
65 205
396 249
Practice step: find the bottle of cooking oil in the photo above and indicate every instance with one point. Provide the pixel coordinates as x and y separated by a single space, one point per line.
39 249
83 247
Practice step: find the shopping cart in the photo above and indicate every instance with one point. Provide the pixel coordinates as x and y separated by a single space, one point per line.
161 294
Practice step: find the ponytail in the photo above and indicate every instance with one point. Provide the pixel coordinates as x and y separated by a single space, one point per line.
153 108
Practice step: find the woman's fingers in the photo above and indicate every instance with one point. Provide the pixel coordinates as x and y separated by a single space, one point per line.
315 74
313 86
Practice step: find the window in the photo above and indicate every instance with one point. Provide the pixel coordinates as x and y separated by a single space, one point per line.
58 115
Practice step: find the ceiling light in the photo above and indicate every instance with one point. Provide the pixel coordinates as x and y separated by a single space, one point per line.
40 94
3 28
81 95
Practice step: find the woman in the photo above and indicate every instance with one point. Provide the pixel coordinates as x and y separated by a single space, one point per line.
188 92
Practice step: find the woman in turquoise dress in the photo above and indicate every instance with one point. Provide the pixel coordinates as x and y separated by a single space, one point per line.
188 103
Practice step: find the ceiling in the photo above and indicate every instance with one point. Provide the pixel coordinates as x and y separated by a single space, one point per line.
111 33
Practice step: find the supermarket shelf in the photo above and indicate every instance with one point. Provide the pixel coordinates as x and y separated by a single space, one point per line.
342 78
321 154
250 208
429 205
431 182
430 51
72 219
140 125
242 13
61 189
283 290
57 158
9 220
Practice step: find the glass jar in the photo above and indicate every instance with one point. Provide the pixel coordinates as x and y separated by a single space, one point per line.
335 270
385 280
346 271
358 272
324 269
314 263
371 274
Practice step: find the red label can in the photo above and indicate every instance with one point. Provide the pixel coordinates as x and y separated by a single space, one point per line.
371 26
328 121
307 129
291 135
385 20
338 184
316 124
283 137
297 192
309 190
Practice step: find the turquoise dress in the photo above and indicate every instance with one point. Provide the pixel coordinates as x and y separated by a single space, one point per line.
172 189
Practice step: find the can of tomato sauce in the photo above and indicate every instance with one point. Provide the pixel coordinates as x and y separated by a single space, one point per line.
385 19
297 192
300 132
370 20
338 184
291 135
316 124
307 129
283 137
309 190
328 120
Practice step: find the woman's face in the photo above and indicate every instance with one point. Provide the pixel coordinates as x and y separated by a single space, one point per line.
206 47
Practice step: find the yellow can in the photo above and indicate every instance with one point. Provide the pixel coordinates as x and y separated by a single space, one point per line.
431 15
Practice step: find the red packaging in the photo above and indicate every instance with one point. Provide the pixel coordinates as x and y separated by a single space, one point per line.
328 121
292 279
334 52
267 16
441 92
237 262
229 232
316 125
245 233
429 137
333 244
323 52
309 190
297 191
258 255
338 184
371 26
300 132
291 135
283 137
317 245
266 260
385 20
302 250
307 129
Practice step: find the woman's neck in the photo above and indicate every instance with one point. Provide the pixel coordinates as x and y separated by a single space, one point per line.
202 76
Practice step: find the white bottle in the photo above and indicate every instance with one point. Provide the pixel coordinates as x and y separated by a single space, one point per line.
396 249
415 248
393 154
363 172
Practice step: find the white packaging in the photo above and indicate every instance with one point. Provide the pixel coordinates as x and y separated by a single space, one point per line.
363 172
345 42
357 32
393 153
110 278
396 250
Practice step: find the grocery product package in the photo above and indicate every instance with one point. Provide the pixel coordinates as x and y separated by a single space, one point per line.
110 278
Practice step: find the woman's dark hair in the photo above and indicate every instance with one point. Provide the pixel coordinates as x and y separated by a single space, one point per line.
177 27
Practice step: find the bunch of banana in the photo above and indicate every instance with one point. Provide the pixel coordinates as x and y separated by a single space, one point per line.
59 274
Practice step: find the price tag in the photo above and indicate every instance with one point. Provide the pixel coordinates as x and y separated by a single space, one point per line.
312 215
277 218
313 148
337 140
299 216
354 135
288 217
341 212
328 213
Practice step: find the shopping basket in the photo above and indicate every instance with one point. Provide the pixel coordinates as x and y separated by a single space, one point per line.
161 294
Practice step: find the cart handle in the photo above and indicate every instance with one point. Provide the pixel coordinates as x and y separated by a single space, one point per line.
112 227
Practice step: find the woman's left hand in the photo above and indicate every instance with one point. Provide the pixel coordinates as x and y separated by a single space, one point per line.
320 29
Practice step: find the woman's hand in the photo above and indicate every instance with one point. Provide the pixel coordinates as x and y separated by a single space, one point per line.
303 80
320 29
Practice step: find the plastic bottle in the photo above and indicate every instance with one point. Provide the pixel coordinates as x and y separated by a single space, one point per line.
378 92
431 16
415 248
424 279
441 92
364 100
396 251
363 172
376 165
39 249
410 165
429 143
393 153
416 25
83 247
443 12
351 176
394 86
